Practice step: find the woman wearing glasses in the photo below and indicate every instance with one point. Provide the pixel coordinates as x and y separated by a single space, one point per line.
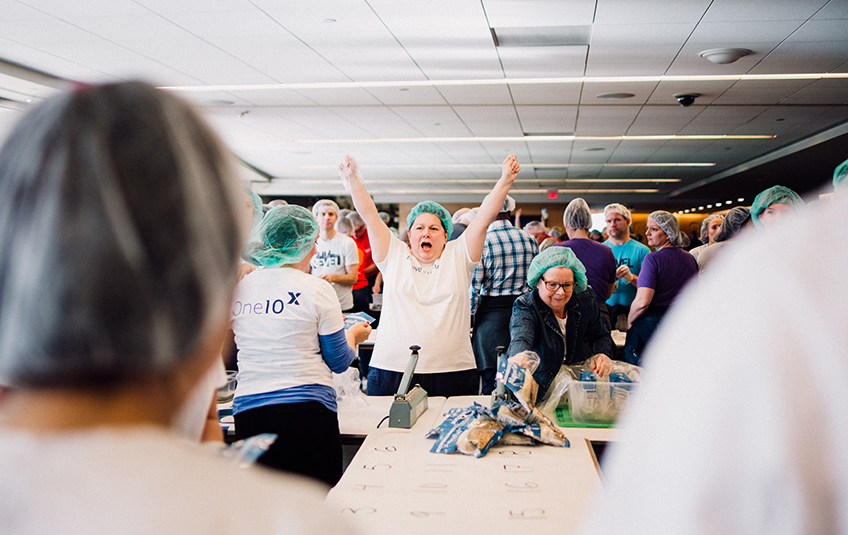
559 319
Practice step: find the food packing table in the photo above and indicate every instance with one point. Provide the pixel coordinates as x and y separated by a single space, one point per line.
394 484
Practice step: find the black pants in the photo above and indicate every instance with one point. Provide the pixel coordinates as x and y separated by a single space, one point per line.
308 440
447 384
491 329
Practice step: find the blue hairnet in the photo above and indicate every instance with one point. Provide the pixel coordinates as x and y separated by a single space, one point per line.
577 215
557 256
257 206
775 194
668 223
840 175
285 236
430 207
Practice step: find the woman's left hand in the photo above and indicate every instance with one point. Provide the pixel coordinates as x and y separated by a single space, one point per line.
601 365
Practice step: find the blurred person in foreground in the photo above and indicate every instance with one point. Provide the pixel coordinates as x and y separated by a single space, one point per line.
120 230
744 431
664 274
629 255
426 296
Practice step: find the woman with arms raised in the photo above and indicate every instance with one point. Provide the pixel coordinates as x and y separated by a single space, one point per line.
425 294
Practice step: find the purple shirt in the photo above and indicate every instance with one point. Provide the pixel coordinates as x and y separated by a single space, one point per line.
667 271
599 262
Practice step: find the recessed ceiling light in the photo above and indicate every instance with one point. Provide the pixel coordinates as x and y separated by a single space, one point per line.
685 211
723 56
718 204
512 81
709 206
700 208
728 202
740 199
615 96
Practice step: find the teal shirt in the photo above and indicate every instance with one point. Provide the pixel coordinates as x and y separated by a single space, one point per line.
631 254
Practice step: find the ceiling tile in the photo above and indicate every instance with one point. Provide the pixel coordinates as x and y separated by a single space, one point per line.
791 57
650 11
488 121
759 10
545 93
476 94
543 61
515 13
547 119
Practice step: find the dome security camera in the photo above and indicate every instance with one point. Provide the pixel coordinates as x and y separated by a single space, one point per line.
686 99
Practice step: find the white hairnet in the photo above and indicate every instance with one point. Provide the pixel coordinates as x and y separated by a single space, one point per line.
618 209
324 203
119 237
577 215
534 227
508 204
705 227
668 223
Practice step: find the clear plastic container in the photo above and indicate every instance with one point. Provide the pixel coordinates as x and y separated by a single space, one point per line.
598 402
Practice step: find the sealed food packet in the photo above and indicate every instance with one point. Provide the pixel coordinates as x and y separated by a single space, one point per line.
480 435
517 375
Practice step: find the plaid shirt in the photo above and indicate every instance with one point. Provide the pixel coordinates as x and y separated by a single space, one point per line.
502 270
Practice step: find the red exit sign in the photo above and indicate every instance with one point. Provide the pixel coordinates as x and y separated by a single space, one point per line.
552 194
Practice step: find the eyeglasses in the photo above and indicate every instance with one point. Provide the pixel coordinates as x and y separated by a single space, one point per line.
554 286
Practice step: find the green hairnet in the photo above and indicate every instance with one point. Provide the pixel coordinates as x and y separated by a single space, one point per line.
557 256
840 175
430 207
577 215
775 194
257 206
285 236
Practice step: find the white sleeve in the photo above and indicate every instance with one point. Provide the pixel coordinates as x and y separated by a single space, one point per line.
349 252
328 309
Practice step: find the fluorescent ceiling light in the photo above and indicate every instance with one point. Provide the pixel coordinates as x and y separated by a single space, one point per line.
498 166
532 138
509 81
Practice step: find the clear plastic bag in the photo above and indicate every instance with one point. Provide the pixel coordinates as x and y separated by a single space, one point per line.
517 375
557 394
347 385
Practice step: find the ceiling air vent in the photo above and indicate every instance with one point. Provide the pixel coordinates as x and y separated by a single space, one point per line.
542 36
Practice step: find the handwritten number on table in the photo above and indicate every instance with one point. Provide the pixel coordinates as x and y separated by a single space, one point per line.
389 449
362 510
366 487
517 468
514 452
425 514
377 467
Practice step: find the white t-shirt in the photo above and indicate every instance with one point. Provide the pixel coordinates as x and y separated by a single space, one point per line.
144 480
332 257
745 430
428 306
277 316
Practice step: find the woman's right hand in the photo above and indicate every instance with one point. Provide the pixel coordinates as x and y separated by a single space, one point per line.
360 331
348 170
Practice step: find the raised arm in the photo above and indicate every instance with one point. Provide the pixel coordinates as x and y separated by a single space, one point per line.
378 233
475 234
